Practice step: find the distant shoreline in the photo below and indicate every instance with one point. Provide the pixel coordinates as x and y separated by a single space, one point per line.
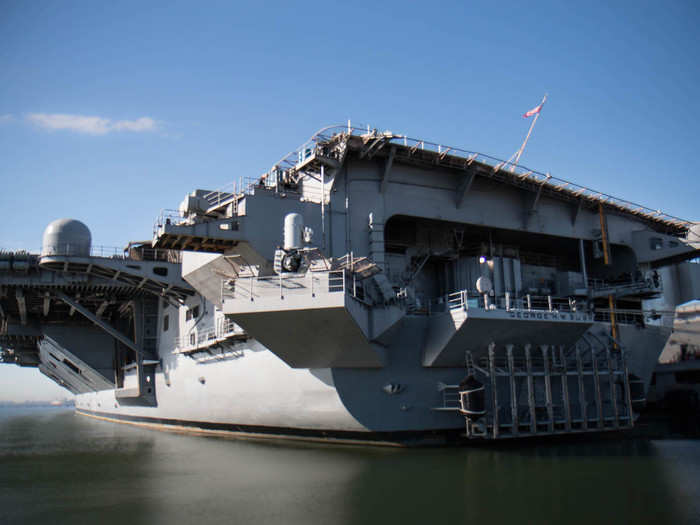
27 404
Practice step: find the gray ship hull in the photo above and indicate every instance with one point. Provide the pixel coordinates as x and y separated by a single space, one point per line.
368 287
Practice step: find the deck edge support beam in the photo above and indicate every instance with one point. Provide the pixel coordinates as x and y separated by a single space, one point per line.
21 305
464 187
577 212
47 304
533 208
101 309
387 169
100 323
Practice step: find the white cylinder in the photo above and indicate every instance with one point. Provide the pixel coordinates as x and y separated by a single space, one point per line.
293 231
483 285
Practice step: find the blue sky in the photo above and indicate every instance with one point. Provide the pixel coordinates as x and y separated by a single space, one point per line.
111 111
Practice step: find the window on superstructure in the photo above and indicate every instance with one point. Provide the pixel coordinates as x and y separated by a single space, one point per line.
166 323
192 313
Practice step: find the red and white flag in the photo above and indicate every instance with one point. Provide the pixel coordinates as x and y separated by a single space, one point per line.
534 111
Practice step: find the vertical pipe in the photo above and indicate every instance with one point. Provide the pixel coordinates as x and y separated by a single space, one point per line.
596 380
348 244
494 386
323 210
581 390
530 391
582 260
513 393
628 393
606 259
547 387
613 390
604 234
613 323
565 389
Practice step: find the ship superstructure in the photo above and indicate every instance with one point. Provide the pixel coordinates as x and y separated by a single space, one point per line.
368 287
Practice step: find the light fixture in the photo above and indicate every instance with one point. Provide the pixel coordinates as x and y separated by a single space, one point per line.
482 259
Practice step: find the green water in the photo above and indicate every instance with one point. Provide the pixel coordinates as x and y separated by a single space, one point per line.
57 467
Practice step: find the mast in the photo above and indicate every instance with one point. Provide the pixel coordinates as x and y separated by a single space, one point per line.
527 137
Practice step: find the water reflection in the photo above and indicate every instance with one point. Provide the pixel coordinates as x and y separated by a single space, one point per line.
62 468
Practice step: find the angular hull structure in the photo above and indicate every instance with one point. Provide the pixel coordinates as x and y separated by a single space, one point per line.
368 288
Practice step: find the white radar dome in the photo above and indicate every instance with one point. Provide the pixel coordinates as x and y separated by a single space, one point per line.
66 237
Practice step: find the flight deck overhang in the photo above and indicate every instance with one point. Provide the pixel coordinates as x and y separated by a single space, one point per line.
157 277
462 329
338 143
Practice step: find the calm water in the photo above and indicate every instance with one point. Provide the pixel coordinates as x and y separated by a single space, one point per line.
56 467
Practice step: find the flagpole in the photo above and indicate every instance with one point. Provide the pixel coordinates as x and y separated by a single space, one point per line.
527 137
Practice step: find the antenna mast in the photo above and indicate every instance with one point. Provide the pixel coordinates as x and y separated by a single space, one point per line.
516 156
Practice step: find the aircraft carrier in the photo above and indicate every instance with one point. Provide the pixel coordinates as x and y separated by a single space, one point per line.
369 287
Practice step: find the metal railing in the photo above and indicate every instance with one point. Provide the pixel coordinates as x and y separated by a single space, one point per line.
464 299
110 252
223 329
625 283
83 250
234 190
229 194
167 216
142 253
633 317
310 285
316 143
